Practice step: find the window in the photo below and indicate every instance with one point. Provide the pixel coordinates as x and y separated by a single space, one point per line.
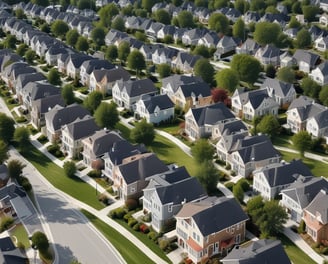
170 208
133 190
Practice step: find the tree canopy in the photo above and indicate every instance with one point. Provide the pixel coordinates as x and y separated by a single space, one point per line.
246 66
303 39
143 133
123 51
54 77
69 168
268 125
238 192
111 53
202 51
118 24
22 137
208 176
67 93
219 23
72 37
107 13
310 12
162 16
59 28
266 32
10 42
164 70
204 69
3 151
227 79
302 141
148 4
323 95
202 151
238 29
185 19
40 241
286 74
30 56
136 61
98 36
106 115
7 128
219 95
93 100
82 44
15 169
310 87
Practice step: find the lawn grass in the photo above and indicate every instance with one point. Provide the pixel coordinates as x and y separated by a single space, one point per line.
318 168
144 239
171 153
74 187
127 249
124 130
20 234
295 254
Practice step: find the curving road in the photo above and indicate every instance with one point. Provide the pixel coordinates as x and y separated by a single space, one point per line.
71 233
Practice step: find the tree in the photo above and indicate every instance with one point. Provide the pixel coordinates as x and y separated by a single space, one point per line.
106 115
302 141
204 69
7 128
93 100
40 241
303 39
67 93
10 42
238 192
283 41
15 169
168 39
21 49
227 79
247 67
310 12
127 10
202 51
30 56
294 23
323 95
268 125
140 36
219 22
219 95
143 133
136 61
19 13
123 51
45 28
266 32
3 151
257 5
286 74
185 19
148 4
164 70
85 4
162 16
22 137
107 13
41 2
111 53
54 77
297 8
254 208
202 151
310 87
238 29
118 24
208 176
72 37
242 6
82 44
98 36
69 168
59 28
270 71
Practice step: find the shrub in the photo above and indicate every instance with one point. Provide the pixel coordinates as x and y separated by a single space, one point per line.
6 223
25 183
120 212
127 217
42 138
132 222
153 236
11 101
53 148
136 227
244 184
229 185
163 244
94 174
144 228
147 218
69 169
131 204
233 173
301 227
21 119
228 167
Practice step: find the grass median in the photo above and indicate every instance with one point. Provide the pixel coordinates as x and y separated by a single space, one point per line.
127 249
74 187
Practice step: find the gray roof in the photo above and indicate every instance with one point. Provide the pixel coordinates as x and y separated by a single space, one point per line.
319 205
255 97
177 80
138 87
9 253
82 127
25 78
304 189
112 75
169 177
208 214
211 114
323 67
278 87
270 52
322 119
195 89
309 110
45 104
36 90
77 59
161 101
301 101
307 57
232 127
96 64
284 173
263 251
142 168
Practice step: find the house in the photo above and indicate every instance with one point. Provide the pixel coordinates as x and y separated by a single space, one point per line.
306 60
127 93
300 111
131 177
229 127
193 95
4 176
9 253
324 5
89 66
164 55
73 64
225 45
115 155
171 84
250 104
268 55
202 231
248 47
323 19
155 109
209 40
321 43
191 37
271 179
231 13
267 251
317 125
42 106
166 193
52 54
185 62
320 73
283 93
316 218
251 17
200 121
59 116
300 194
97 145
73 133
25 78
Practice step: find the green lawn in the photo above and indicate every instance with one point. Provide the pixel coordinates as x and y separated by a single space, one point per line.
20 234
144 239
318 168
171 153
127 249
124 130
56 176
294 253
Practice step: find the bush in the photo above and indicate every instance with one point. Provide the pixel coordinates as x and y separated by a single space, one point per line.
228 167
132 222
233 173
229 185
69 168
53 148
153 236
117 213
144 229
127 217
136 227
147 218
163 244
25 183
11 101
244 184
301 227
21 119
42 138
6 223
131 204
94 174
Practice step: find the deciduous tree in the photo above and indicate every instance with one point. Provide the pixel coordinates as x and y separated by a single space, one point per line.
268 125
227 79
123 51
247 67
303 39
7 128
107 13
238 29
40 241
162 16
286 74
111 53
118 24
266 32
72 37
82 44
219 22
302 141
54 77
219 95
22 137
106 115
69 168
59 28
323 95
136 61
3 151
185 19
208 176
204 69
310 87
202 151
93 100
143 133
68 94
164 70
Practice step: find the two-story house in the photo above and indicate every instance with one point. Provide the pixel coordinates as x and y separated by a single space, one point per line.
209 227
229 127
317 125
320 73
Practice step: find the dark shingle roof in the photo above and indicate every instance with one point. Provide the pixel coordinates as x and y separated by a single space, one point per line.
139 87
161 101
196 89
319 205
82 127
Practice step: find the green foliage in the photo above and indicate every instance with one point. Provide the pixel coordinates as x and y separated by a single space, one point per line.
94 174
30 56
164 70
3 151
202 151
6 223
229 185
163 244
185 19
293 22
21 49
238 29
107 13
117 213
7 128
82 44
303 39
143 133
301 227
266 32
106 115
22 137
219 22
15 168
72 37
270 71
92 101
310 87
69 169
258 5
123 51
136 61
67 93
140 36
40 241
302 141
41 2
25 183
204 69
227 79
118 24
246 66
202 51
19 13
54 77
132 222
238 192
148 4
244 184
59 28
208 176
323 95
10 42
111 53
310 12
268 125
162 16
242 6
